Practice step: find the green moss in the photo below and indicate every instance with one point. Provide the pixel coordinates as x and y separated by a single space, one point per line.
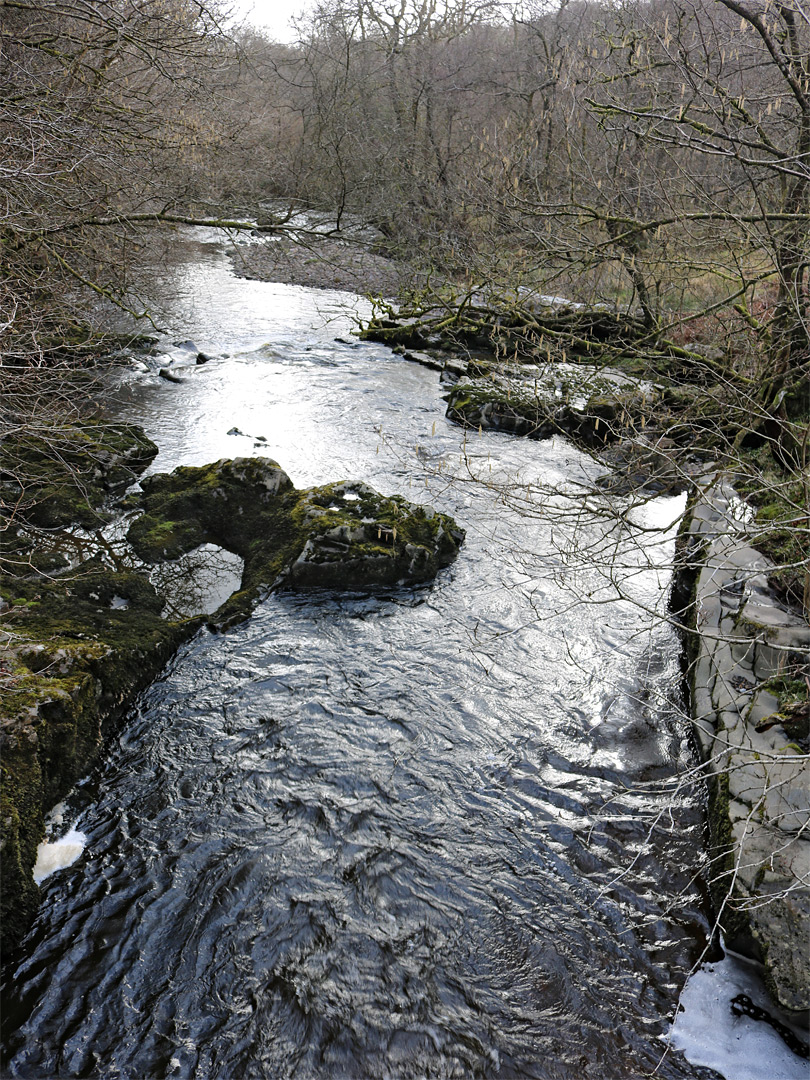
781 527
64 475
230 503
787 689
356 537
74 664
21 826
244 505
509 405
156 539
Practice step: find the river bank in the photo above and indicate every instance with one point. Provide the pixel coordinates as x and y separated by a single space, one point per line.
320 264
746 664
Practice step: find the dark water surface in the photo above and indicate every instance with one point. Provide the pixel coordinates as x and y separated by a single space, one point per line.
367 836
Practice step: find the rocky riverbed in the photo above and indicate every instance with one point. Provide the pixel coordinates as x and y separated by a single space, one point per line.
320 264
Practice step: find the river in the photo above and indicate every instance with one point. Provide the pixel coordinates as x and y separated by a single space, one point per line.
422 833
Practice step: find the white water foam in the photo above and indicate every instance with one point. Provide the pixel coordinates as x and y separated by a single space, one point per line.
58 854
737 1047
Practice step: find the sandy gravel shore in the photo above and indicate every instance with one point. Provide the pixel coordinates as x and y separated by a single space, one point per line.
320 264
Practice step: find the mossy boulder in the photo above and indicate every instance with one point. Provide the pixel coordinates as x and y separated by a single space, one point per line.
502 321
63 476
490 405
342 535
237 504
80 639
593 414
355 537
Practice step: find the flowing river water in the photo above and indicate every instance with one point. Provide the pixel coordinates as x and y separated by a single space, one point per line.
408 834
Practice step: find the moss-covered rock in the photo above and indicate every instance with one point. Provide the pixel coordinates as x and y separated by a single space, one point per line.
356 538
21 823
80 639
339 536
63 477
505 322
592 412
239 505
489 405
73 663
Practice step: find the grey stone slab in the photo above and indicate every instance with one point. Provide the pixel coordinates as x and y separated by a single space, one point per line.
747 637
725 665
709 611
748 560
742 650
763 704
725 695
787 804
764 615
769 660
782 927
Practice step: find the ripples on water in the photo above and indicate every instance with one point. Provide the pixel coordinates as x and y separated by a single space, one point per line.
368 836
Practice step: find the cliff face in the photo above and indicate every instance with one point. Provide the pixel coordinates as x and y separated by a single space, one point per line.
748 656
73 654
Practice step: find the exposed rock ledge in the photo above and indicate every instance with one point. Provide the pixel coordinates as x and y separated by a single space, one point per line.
743 649
81 642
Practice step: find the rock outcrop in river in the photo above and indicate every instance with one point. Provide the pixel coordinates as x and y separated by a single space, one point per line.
342 535
86 632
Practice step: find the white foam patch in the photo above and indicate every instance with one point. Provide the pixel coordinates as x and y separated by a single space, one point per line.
737 1047
58 854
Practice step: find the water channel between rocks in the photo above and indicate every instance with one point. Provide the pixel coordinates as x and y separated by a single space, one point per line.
366 836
